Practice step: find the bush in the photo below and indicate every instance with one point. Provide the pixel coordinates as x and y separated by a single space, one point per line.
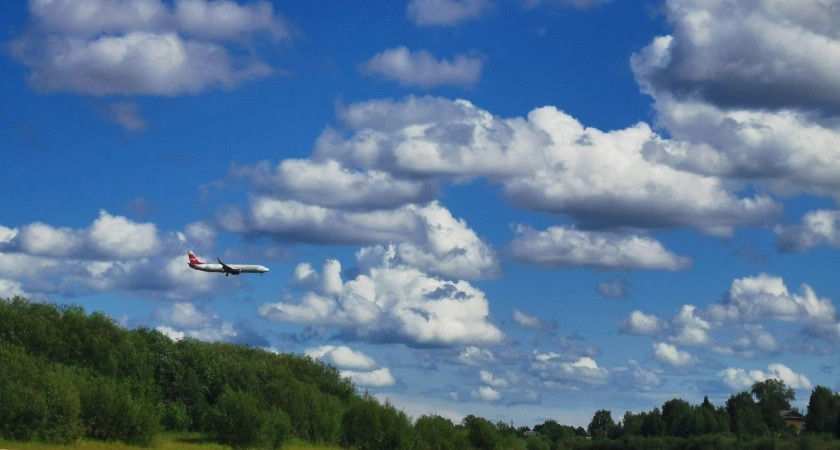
174 416
240 421
111 413
39 400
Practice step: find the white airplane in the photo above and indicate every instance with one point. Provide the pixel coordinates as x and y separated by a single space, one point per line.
233 269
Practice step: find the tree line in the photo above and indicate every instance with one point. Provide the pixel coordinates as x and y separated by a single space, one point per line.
67 375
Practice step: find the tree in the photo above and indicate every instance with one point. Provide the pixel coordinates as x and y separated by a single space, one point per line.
745 415
773 396
679 418
602 425
823 411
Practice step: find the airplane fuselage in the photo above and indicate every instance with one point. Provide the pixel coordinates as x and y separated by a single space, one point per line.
237 268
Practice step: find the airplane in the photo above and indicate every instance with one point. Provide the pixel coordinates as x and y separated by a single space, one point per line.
233 269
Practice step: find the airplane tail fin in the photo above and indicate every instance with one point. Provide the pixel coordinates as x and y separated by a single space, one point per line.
194 259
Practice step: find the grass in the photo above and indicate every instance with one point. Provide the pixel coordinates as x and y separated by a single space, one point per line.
164 441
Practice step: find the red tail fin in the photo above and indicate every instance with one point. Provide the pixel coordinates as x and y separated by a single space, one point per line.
193 259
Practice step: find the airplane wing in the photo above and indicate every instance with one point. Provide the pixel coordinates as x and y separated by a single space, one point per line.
227 268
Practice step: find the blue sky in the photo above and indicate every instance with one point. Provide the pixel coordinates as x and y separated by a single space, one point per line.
520 209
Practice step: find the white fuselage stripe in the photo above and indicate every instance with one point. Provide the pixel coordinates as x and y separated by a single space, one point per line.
240 267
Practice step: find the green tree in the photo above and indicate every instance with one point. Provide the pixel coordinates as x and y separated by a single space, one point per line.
602 425
481 432
773 396
823 411
679 418
744 414
438 433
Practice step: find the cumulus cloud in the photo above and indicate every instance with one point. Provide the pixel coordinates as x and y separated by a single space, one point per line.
635 376
766 297
819 227
490 379
554 371
744 91
391 302
568 247
641 323
670 355
342 357
580 4
113 254
353 364
531 322
376 378
330 185
109 237
132 47
545 162
618 288
763 54
127 115
421 68
183 320
475 356
748 303
487 394
11 288
740 379
445 12
428 237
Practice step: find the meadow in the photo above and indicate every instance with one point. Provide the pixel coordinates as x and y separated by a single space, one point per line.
163 441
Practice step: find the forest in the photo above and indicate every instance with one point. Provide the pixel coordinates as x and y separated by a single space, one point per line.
66 375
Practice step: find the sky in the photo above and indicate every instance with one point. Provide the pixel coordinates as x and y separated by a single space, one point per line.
518 209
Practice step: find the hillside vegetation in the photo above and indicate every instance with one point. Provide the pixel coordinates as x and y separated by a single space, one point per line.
66 375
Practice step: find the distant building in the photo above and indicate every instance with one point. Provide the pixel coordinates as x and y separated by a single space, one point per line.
793 417
532 433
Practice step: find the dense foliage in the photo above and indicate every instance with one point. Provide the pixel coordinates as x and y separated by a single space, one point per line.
68 375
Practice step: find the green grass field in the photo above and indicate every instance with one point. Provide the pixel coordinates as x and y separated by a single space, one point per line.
165 441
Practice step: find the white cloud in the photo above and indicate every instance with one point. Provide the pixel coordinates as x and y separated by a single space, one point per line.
185 320
635 376
428 237
392 302
568 247
739 379
421 68
766 297
445 12
11 288
377 378
580 4
109 237
342 357
717 50
531 322
113 254
747 92
641 323
546 162
819 227
488 378
748 302
201 234
475 356
550 368
105 47
127 115
218 19
617 288
487 394
328 184
669 354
